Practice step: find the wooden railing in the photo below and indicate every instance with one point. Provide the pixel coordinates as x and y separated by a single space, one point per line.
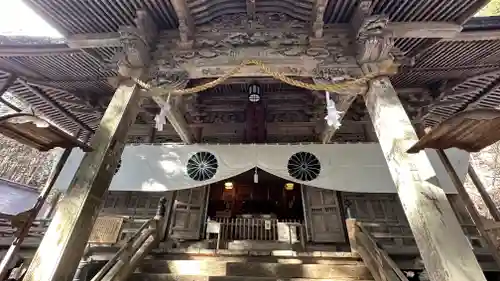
136 247
259 229
396 235
381 266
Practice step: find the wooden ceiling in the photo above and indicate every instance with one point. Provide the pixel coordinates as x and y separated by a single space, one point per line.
72 87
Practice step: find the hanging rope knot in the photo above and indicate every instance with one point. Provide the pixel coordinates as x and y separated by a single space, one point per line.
335 87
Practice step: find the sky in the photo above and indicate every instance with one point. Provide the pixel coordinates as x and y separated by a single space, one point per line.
18 19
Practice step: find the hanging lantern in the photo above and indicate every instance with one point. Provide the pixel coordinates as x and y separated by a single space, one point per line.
256 176
254 93
289 186
228 185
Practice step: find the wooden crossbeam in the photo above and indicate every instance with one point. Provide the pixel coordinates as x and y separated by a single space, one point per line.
447 30
94 40
424 30
342 105
175 117
36 50
479 35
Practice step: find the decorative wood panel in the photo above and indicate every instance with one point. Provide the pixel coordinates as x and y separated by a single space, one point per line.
189 212
135 204
323 217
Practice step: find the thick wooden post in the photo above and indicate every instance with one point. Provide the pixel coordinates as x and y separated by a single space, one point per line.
63 245
484 194
469 205
445 251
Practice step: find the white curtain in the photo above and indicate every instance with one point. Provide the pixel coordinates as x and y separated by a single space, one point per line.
343 167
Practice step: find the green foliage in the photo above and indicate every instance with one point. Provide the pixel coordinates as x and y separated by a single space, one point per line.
492 9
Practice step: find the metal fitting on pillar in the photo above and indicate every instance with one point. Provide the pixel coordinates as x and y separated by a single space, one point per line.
348 205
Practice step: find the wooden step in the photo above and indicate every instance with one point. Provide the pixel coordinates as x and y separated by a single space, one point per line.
254 269
173 277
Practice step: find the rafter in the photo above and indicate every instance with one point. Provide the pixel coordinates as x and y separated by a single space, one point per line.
55 105
8 82
491 90
451 95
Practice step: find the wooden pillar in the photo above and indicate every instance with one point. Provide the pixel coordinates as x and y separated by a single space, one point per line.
484 194
469 205
445 251
62 247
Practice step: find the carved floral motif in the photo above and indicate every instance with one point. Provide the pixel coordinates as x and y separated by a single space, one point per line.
261 21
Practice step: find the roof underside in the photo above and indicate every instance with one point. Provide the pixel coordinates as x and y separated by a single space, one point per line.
457 74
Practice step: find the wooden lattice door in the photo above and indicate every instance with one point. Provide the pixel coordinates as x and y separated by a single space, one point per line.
189 213
323 217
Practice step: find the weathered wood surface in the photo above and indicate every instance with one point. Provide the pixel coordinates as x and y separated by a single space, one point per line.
491 241
381 266
69 231
446 253
492 208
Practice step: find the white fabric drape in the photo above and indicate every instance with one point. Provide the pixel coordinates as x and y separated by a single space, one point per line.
344 167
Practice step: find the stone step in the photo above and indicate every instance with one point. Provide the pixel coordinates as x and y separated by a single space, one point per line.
173 277
255 269
353 260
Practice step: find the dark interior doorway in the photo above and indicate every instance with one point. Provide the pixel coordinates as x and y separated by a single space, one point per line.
271 196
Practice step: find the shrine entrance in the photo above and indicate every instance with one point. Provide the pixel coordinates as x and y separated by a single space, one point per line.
256 193
258 207
255 209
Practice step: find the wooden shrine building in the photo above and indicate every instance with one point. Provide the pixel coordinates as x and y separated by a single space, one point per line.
265 125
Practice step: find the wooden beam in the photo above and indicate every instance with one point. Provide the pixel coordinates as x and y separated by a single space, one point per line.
186 22
471 208
35 50
424 29
445 250
55 105
396 29
251 9
175 117
68 233
480 35
317 18
94 40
